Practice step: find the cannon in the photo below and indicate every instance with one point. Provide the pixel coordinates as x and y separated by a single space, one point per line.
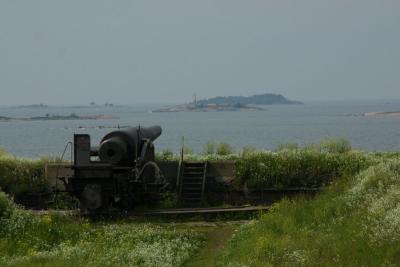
123 146
119 173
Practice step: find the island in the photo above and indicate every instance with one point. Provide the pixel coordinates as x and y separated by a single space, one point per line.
72 116
230 103
262 99
384 113
2 118
41 105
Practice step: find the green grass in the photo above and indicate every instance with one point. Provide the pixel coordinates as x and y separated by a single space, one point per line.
355 222
299 168
54 240
292 166
19 176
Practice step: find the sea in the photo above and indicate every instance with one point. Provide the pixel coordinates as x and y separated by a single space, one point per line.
267 129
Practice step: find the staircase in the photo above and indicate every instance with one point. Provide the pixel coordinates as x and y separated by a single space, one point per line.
193 178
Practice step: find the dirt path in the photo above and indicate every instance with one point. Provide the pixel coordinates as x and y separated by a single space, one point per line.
217 237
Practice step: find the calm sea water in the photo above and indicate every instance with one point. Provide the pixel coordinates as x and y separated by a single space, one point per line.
267 129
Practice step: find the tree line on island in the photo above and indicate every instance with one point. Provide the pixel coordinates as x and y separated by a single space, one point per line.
231 103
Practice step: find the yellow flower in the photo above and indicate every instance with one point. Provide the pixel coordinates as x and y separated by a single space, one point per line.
32 252
47 219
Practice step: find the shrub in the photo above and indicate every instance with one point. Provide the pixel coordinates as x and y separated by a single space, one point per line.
165 155
19 176
300 168
247 150
224 149
6 206
187 150
3 153
209 148
340 145
288 146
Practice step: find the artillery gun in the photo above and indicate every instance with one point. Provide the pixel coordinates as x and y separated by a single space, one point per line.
120 172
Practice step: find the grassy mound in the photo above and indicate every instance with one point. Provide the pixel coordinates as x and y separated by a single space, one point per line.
355 222
54 240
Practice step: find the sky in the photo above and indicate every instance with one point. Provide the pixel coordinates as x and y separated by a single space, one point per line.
131 52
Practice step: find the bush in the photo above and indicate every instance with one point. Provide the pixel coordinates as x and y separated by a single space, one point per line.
340 145
3 153
224 149
288 146
165 155
247 150
6 206
298 168
20 176
209 148
187 150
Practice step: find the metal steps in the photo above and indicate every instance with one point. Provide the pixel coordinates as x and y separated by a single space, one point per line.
193 177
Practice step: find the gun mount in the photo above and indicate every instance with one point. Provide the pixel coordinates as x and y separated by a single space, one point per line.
120 172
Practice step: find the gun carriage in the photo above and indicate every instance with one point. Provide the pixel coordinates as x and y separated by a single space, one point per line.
120 172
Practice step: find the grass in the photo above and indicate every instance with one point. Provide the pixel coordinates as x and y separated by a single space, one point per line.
19 176
217 237
355 222
291 166
298 168
54 240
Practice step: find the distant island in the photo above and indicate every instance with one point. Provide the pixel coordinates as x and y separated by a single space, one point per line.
34 106
383 113
230 103
89 105
48 117
263 99
94 105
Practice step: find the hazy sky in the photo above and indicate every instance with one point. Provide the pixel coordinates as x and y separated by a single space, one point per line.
128 52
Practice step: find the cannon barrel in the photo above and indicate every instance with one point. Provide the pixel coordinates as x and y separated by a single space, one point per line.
123 146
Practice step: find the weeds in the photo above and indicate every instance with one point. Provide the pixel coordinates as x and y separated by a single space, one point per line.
224 149
355 222
54 240
298 168
19 176
209 148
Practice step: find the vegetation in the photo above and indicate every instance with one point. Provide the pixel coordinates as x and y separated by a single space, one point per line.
209 148
340 145
291 166
263 99
288 146
353 223
54 240
298 168
20 176
224 149
221 149
165 155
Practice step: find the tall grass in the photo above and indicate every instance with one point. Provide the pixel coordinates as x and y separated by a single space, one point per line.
54 240
355 222
298 168
22 233
19 176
